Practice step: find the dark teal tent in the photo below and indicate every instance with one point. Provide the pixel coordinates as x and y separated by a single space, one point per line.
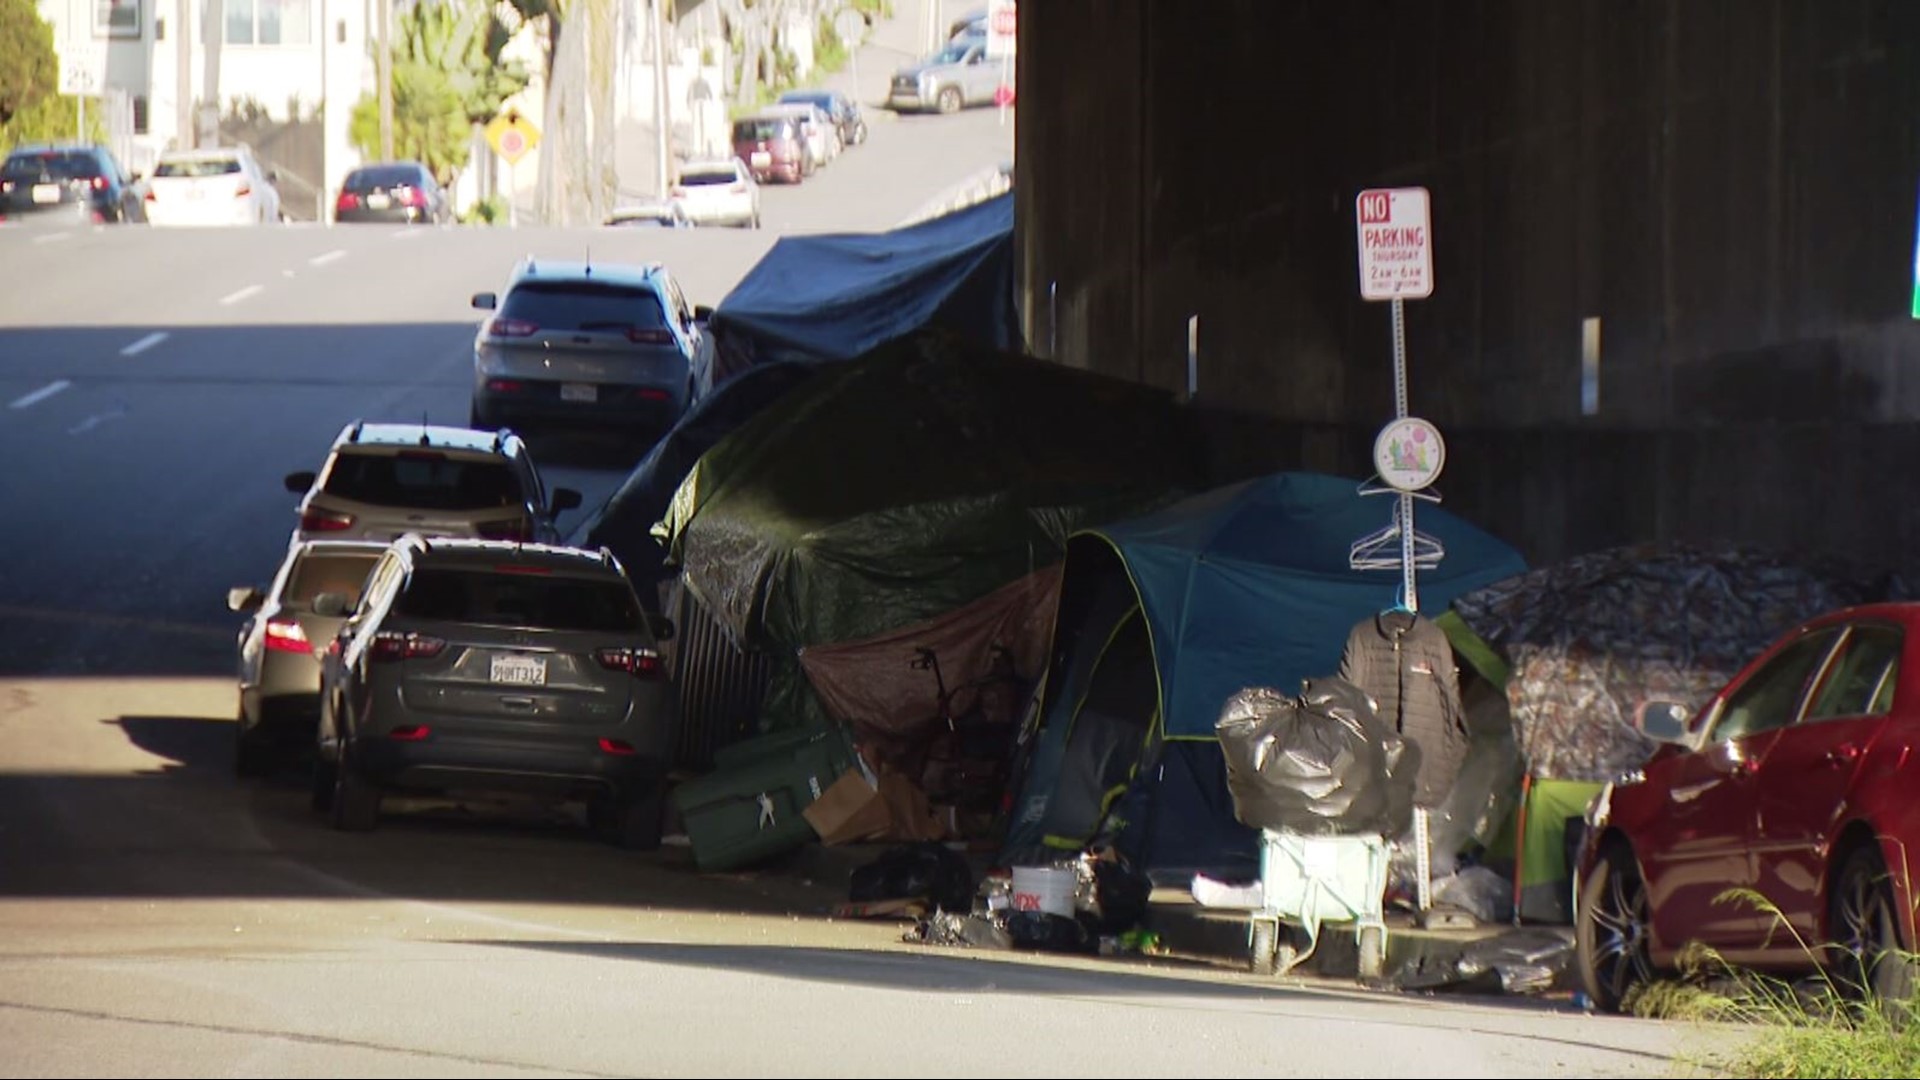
1162 618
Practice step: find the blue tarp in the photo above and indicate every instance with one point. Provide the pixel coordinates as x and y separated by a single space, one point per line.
836 296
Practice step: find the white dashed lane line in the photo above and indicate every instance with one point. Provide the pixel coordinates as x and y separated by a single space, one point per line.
238 295
322 260
26 401
145 343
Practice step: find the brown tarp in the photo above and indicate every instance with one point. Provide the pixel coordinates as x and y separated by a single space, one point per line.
872 683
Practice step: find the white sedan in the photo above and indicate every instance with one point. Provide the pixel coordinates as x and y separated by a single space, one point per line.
219 186
718 193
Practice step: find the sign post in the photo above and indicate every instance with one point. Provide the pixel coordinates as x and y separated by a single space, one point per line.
83 74
1003 22
1396 264
513 137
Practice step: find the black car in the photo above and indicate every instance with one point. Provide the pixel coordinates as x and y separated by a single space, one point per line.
398 193
70 180
844 112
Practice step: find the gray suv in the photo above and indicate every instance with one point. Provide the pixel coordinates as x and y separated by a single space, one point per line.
487 667
573 343
383 481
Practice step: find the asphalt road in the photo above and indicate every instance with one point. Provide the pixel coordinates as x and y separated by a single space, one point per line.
157 917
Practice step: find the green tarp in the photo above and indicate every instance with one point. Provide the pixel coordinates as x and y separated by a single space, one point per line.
907 483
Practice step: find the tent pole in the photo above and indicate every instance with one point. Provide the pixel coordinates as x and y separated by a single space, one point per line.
1520 842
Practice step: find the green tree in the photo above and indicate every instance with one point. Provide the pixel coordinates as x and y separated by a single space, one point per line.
28 69
447 76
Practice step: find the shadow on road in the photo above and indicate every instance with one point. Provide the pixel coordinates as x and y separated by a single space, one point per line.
928 970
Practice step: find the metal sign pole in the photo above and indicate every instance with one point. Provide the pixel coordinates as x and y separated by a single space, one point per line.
1410 596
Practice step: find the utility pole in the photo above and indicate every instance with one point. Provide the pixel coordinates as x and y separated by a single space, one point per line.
386 78
662 116
183 79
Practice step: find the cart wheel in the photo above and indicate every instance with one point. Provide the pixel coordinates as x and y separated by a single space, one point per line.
1265 952
1373 950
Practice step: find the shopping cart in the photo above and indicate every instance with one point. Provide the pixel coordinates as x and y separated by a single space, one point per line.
1309 880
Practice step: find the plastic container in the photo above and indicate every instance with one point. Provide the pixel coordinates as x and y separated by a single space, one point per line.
1044 888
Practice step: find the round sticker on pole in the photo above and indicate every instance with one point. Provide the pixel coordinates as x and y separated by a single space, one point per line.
1409 454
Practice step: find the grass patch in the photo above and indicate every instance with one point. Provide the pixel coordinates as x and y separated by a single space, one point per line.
1812 1027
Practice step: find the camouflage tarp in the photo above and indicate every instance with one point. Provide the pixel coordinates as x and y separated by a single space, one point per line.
1591 638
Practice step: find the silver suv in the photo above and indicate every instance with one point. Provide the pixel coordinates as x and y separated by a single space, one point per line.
481 666
382 481
577 343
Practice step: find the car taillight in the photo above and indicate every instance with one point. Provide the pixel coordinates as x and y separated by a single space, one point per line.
397 645
99 183
650 337
6 187
243 189
409 733
501 326
505 386
617 747
349 201
285 635
639 663
324 521
415 197
150 196
652 393
517 529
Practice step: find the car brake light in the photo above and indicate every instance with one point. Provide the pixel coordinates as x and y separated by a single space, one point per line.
409 733
621 747
652 393
349 201
397 645
500 326
505 386
416 197
324 521
516 529
285 635
243 189
99 183
639 663
150 196
650 337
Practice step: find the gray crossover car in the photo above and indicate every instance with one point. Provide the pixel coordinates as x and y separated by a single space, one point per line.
279 668
574 343
382 481
480 666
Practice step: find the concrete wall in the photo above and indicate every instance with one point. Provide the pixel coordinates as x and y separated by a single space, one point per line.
1727 185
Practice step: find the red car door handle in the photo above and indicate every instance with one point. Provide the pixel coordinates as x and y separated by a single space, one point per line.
1844 754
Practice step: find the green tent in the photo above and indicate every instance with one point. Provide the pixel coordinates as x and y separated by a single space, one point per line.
900 486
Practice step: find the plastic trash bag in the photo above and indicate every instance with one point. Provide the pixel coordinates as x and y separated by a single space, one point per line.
1320 764
926 870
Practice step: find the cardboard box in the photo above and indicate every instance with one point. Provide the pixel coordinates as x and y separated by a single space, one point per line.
849 811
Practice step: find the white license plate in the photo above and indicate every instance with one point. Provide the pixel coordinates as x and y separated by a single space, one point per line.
520 670
379 202
195 193
46 193
760 159
579 392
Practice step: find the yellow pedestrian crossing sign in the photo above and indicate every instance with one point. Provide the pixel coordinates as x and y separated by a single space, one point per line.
512 136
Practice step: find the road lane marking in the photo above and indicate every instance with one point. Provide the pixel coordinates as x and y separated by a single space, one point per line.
238 295
95 421
322 260
406 234
49 238
26 401
145 343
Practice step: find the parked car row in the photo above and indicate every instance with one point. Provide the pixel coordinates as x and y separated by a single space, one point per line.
798 135
427 633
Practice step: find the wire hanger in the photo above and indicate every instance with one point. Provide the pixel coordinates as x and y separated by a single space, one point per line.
1373 485
1380 549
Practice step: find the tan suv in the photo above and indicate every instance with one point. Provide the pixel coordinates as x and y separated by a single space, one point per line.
382 481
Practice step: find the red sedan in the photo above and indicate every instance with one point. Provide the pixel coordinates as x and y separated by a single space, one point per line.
1797 781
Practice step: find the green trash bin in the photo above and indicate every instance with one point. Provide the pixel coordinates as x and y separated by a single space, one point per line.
749 808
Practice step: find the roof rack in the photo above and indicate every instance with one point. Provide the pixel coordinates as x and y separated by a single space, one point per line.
354 435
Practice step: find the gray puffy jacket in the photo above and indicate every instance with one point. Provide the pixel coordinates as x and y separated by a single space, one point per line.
1404 662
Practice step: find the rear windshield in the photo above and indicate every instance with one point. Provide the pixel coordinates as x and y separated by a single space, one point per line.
202 167
704 177
762 128
425 479
318 574
58 164
532 601
383 176
583 305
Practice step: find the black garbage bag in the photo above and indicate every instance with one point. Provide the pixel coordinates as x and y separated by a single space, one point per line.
1320 764
923 871
1120 894
1049 932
